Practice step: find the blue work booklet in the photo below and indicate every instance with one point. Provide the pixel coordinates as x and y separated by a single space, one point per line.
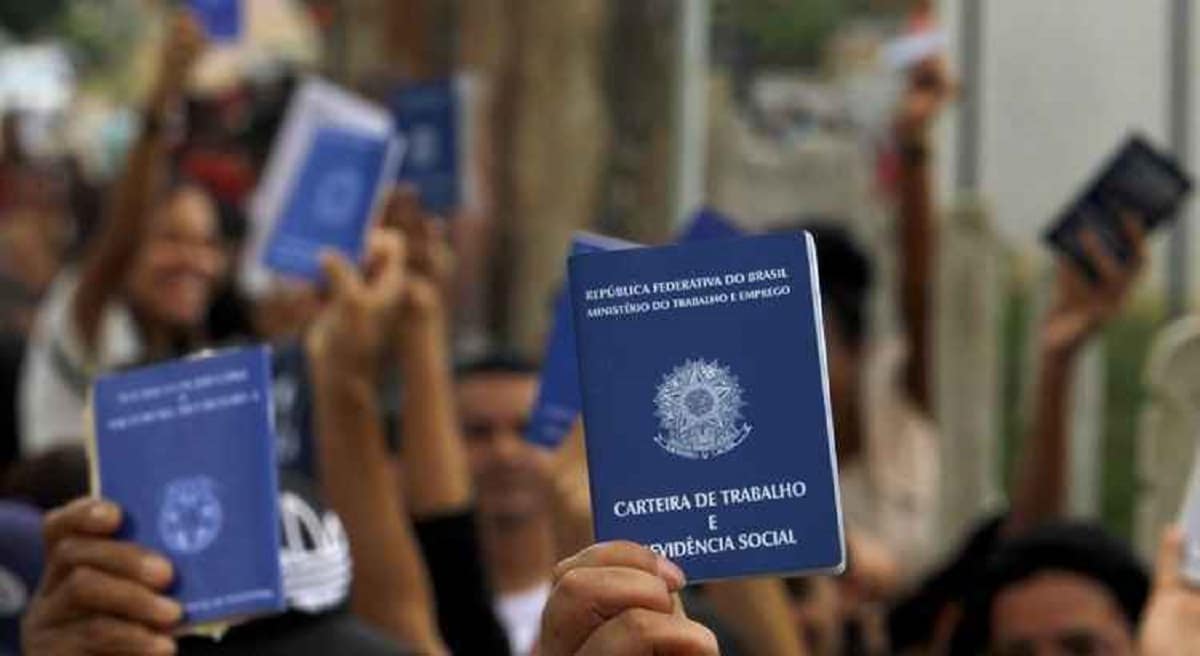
706 404
187 451
428 116
221 19
331 201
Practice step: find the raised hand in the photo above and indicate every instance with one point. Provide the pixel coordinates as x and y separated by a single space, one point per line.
98 595
1082 306
619 599
1171 624
429 263
351 332
183 45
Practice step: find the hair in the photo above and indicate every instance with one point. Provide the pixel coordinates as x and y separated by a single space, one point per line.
1074 547
496 362
847 275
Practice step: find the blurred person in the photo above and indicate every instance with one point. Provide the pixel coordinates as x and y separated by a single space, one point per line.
144 287
618 599
495 396
1062 588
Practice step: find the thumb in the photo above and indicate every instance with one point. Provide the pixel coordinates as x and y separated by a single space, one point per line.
343 281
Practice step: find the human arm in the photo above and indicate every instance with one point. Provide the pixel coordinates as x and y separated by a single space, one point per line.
110 255
391 588
1080 309
1171 623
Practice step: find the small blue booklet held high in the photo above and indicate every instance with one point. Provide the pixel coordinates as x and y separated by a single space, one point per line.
428 115
187 451
331 201
222 19
558 403
706 404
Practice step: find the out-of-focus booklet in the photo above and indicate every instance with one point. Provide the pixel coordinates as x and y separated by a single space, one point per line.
1136 178
187 450
706 404
430 118
333 158
558 402
222 19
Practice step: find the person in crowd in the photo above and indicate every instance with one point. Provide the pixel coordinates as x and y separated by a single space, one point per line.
495 395
1063 588
144 286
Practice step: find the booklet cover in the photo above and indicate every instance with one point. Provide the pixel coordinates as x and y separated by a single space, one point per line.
331 204
187 450
709 224
558 402
428 116
222 19
1136 178
706 404
315 105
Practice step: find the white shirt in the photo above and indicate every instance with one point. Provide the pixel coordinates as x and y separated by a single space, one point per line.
520 614
58 368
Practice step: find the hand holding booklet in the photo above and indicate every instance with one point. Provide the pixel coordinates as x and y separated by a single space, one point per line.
706 405
187 451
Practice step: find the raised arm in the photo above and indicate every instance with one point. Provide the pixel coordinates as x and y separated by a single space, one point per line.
437 475
1080 309
929 87
391 588
110 254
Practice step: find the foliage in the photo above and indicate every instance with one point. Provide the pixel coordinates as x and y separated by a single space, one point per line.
787 33
29 18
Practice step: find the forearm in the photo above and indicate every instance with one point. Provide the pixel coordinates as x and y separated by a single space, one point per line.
391 589
109 257
435 458
1040 493
918 243
757 611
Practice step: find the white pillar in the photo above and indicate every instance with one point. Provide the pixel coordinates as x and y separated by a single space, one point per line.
691 108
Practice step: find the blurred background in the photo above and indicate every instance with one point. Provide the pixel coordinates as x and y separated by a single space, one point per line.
624 116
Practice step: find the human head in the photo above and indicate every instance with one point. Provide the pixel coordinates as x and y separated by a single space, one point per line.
1064 588
846 279
495 396
178 261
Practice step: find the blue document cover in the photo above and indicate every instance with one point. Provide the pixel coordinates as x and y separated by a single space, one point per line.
186 449
558 402
428 116
222 19
1136 178
706 404
709 224
331 202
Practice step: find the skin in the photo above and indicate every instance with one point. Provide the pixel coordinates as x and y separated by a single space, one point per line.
493 411
619 599
1171 626
179 261
1059 613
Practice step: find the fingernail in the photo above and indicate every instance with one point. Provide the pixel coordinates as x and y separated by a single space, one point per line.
156 570
164 645
103 512
671 573
168 610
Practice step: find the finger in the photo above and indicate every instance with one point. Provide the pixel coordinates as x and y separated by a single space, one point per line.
392 209
86 592
640 632
1170 556
624 554
385 269
86 517
586 597
1135 231
1110 270
343 280
121 559
108 635
407 208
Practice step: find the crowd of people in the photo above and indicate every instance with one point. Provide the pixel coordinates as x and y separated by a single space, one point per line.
418 518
